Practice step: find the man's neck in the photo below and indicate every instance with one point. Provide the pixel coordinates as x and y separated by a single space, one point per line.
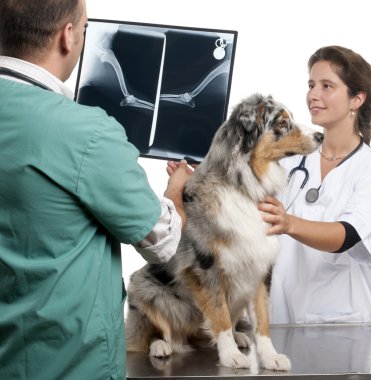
36 72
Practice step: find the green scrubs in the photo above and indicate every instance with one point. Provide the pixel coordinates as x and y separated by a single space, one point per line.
70 191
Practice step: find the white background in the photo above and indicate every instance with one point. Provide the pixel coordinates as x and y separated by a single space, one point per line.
275 40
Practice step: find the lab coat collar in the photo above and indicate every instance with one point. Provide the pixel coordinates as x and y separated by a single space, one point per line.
35 72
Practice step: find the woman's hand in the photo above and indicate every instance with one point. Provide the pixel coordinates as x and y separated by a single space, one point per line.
324 236
275 214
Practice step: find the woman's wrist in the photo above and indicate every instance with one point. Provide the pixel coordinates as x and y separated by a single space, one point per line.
290 225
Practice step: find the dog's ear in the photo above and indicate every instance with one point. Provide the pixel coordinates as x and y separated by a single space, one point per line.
260 120
247 121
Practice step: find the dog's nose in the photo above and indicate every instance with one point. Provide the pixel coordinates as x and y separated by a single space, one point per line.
318 136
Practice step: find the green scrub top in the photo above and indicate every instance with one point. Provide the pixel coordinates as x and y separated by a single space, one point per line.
70 191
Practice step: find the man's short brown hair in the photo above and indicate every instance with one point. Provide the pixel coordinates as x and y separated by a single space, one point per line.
28 26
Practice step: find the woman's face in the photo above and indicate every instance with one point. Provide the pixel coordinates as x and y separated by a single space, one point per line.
328 101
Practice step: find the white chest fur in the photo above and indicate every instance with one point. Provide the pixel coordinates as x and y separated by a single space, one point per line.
252 251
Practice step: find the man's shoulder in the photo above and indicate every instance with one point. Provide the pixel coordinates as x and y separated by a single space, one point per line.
70 114
77 110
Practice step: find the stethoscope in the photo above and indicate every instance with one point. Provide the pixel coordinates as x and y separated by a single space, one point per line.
312 194
18 75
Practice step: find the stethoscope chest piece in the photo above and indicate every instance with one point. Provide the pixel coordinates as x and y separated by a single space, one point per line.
312 195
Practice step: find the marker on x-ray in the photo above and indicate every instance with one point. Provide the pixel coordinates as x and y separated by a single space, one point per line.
219 52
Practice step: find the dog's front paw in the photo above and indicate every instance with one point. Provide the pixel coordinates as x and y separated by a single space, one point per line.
242 340
234 360
160 349
276 362
269 358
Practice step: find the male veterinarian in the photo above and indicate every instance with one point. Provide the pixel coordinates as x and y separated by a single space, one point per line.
70 191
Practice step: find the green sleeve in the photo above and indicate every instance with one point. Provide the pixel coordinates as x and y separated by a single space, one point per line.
114 187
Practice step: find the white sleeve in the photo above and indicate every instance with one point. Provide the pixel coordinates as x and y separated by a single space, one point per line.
358 214
162 242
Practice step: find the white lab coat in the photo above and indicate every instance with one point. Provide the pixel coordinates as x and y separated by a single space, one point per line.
310 286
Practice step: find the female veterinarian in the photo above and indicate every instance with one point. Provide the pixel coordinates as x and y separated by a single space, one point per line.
323 273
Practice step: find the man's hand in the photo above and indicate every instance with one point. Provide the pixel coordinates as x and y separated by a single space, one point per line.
179 173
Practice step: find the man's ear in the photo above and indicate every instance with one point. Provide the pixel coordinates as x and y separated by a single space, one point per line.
66 38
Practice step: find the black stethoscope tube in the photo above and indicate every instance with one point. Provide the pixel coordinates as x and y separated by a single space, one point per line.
312 194
17 75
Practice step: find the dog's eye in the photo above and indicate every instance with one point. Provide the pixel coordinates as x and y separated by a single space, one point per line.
283 124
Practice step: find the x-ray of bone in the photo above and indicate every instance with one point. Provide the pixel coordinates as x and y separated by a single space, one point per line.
168 86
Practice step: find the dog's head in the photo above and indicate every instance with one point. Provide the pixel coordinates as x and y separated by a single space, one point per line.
260 131
261 123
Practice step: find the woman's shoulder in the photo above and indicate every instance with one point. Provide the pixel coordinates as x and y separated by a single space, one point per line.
364 157
366 149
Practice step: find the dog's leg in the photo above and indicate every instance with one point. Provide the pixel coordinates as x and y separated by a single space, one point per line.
138 330
241 327
269 358
242 340
164 340
147 329
159 347
218 324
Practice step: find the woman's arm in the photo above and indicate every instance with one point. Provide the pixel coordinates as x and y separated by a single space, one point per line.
324 236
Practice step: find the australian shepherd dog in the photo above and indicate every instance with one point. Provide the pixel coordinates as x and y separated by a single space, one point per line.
218 275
